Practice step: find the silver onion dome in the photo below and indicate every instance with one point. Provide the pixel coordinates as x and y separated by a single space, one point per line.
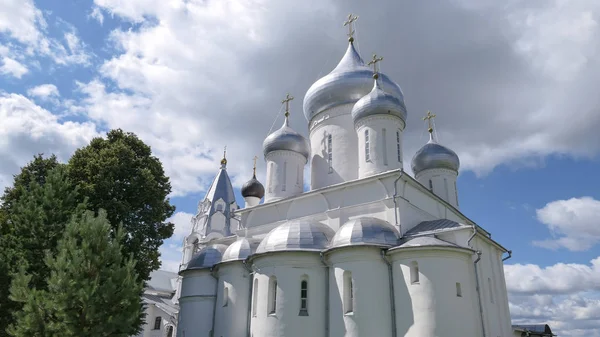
365 231
378 102
253 188
286 139
296 236
207 257
434 156
347 83
240 249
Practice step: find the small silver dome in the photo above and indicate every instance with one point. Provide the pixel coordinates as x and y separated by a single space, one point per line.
207 257
378 102
434 156
296 236
347 83
240 249
286 139
253 188
365 231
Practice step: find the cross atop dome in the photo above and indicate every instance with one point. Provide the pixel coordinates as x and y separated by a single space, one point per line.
375 62
429 120
286 101
254 168
224 160
350 23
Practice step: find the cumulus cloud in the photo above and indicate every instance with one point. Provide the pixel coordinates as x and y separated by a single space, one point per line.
28 129
44 91
563 295
183 225
12 67
573 223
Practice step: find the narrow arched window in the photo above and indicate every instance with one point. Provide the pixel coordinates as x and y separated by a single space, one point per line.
170 331
398 150
367 146
446 189
414 272
225 296
298 172
491 290
384 146
458 290
284 175
255 298
304 298
157 322
330 152
271 177
430 185
272 307
348 293
456 193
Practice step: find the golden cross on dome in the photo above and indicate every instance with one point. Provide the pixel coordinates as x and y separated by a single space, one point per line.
224 160
375 62
429 118
349 23
287 100
254 169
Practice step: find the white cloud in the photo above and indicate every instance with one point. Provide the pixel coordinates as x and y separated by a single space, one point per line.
21 20
44 91
574 222
183 225
12 67
28 129
565 296
96 14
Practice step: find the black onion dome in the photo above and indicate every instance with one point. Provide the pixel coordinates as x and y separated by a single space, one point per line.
253 188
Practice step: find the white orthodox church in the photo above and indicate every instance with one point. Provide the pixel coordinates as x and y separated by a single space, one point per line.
368 250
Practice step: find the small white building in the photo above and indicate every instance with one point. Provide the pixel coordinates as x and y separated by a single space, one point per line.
159 307
368 250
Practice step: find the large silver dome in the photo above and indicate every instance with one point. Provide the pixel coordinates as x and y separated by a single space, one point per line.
240 249
365 231
378 102
296 236
286 139
207 257
434 156
347 83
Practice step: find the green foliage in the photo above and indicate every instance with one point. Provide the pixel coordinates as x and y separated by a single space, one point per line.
93 290
119 174
32 218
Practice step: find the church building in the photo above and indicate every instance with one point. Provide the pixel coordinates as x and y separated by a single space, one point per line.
367 250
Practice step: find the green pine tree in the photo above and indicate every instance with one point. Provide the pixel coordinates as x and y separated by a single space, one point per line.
33 221
93 290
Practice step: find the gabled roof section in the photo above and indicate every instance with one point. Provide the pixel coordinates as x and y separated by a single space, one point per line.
164 303
434 226
160 280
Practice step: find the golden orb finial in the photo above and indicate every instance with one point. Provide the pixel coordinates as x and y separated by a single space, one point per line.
224 160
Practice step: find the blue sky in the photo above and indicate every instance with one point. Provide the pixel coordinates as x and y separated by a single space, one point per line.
513 86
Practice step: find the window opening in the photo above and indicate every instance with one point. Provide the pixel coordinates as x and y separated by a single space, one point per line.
458 290
384 146
348 293
170 331
304 298
330 152
398 151
430 185
225 296
414 272
271 177
367 146
284 175
272 296
157 322
255 298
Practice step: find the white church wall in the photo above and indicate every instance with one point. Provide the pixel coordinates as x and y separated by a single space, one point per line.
289 269
337 123
366 312
233 295
429 305
196 304
285 175
492 283
378 141
442 182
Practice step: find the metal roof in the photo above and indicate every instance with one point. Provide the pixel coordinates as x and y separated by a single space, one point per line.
434 226
535 329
